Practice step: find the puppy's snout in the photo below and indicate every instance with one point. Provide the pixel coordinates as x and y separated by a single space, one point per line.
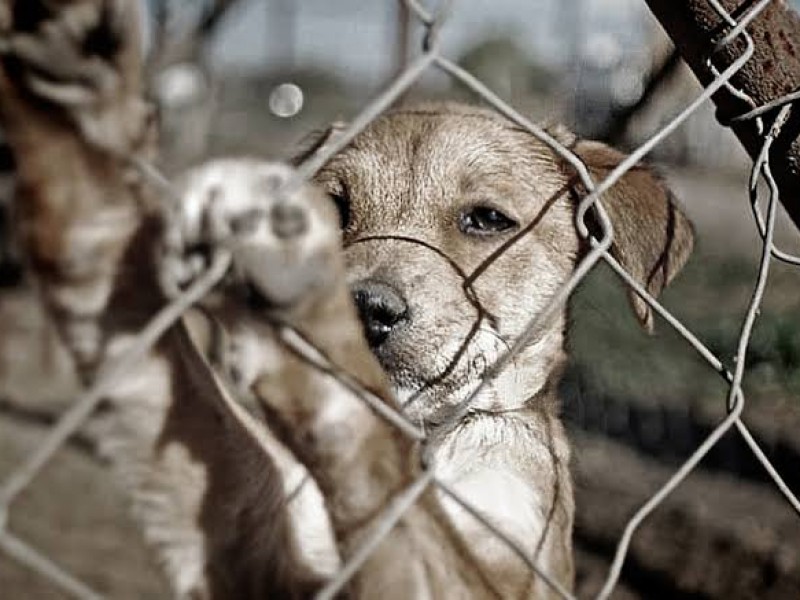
288 220
381 308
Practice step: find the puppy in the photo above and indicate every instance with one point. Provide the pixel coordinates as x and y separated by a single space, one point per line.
457 228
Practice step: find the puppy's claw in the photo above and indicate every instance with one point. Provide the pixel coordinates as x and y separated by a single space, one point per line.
65 95
79 42
80 57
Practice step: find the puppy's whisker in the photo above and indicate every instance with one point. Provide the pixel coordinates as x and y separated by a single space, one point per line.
496 336
469 291
451 365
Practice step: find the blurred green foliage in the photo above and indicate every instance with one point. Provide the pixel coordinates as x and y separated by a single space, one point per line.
612 355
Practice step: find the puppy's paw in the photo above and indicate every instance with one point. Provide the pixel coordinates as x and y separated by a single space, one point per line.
82 57
284 238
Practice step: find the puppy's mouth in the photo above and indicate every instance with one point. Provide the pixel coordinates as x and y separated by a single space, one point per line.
394 360
426 377
431 355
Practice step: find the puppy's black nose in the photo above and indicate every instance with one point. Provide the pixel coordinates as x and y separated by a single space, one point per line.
381 308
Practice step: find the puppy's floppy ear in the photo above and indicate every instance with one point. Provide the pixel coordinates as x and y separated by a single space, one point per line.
652 237
316 141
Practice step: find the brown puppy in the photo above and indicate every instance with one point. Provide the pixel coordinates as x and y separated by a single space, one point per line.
459 227
428 197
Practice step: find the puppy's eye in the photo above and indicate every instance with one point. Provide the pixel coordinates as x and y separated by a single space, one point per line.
483 220
342 201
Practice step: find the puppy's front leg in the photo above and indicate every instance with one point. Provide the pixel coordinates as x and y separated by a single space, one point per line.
71 112
363 465
300 304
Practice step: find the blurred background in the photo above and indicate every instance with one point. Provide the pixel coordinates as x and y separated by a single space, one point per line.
257 76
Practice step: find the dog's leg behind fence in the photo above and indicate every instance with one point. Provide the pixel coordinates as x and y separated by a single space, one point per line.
75 217
187 462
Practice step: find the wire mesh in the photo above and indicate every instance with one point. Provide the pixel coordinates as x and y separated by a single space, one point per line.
430 58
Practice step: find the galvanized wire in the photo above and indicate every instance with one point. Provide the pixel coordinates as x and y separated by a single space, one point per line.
432 57
38 562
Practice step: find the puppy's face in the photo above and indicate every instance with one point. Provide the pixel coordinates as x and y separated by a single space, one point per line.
427 197
458 228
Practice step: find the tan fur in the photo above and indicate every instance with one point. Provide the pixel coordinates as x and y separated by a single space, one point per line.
263 490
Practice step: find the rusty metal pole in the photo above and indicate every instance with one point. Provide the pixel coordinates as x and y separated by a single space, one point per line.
772 72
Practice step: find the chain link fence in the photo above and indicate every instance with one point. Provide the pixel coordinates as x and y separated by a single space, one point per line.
769 120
